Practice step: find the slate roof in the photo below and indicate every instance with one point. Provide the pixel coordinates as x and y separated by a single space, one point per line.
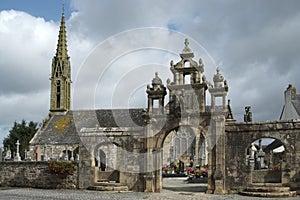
63 129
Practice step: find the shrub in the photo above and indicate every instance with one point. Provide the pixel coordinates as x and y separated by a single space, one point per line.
63 168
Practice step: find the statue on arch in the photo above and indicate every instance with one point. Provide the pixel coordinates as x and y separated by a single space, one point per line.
248 114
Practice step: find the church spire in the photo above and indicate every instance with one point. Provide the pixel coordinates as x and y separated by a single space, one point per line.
60 96
61 50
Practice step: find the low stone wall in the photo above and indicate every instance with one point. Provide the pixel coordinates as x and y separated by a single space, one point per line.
34 174
109 175
266 176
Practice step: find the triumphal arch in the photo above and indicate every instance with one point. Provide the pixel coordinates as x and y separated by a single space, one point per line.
128 145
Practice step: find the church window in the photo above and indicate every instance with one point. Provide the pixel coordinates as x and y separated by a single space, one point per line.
57 101
58 87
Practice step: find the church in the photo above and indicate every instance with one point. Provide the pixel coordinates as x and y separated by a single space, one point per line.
130 146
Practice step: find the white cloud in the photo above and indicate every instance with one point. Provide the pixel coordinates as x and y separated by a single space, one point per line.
257 42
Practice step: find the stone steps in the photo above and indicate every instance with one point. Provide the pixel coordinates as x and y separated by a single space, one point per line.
269 190
108 186
269 194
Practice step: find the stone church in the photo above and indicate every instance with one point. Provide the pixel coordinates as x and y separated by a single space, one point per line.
132 145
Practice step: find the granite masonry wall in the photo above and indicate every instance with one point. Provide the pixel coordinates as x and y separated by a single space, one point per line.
35 175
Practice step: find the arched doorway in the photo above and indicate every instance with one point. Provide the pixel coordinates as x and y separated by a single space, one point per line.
102 160
266 157
183 160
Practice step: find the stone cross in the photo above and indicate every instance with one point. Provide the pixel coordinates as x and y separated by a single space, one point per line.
261 155
17 158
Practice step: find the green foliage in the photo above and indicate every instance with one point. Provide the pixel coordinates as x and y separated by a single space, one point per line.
62 168
22 132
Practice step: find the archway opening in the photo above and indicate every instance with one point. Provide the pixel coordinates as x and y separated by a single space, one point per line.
265 157
184 161
102 160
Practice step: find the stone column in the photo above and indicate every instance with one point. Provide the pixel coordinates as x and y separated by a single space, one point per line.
181 79
66 154
158 154
72 156
45 157
149 174
160 107
211 168
212 103
218 126
51 152
17 158
196 159
224 102
1 156
271 160
25 154
177 78
197 77
150 104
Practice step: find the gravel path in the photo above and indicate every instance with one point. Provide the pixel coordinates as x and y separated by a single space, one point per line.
173 189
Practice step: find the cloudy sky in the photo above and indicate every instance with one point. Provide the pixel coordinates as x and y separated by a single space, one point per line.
116 46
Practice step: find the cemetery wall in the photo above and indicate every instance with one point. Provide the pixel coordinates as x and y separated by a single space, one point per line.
35 175
240 136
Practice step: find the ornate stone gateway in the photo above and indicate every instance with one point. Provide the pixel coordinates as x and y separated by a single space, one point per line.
126 145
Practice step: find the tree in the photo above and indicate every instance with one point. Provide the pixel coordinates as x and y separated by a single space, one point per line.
22 132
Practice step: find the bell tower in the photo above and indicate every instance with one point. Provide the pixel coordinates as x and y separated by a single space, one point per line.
60 96
187 91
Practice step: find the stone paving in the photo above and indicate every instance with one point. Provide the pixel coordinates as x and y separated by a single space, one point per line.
173 189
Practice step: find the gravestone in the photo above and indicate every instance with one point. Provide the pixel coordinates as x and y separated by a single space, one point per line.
7 154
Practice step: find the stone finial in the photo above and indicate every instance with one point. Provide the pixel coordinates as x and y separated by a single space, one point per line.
201 65
168 81
172 63
218 78
186 52
156 80
186 43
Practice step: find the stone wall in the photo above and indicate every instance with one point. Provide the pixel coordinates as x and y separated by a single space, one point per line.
35 175
239 137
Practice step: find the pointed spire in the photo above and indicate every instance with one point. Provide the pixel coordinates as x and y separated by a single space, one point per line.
61 50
